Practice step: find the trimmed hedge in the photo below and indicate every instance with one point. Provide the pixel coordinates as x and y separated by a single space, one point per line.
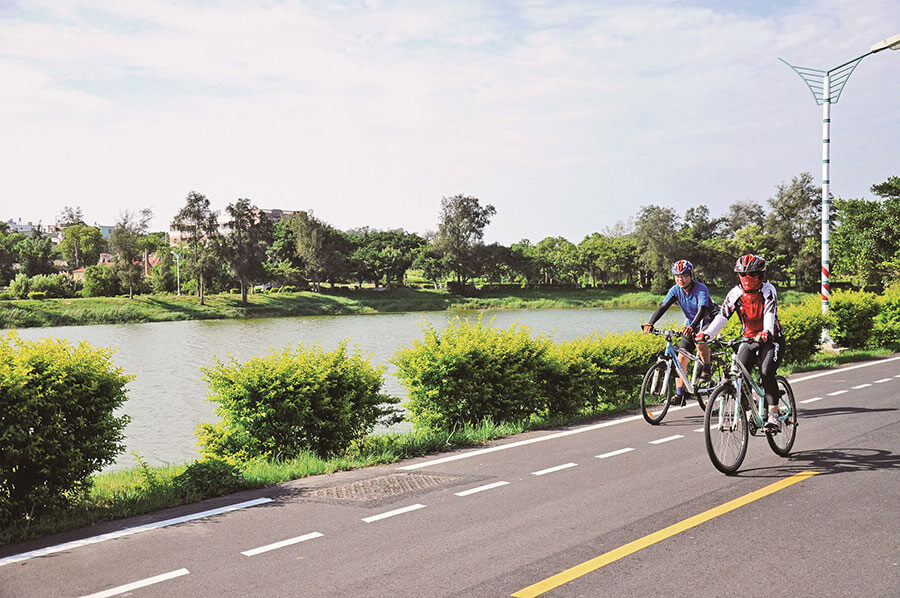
277 407
851 318
57 425
470 372
886 325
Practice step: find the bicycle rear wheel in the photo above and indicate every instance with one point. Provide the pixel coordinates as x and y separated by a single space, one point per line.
725 430
656 391
782 442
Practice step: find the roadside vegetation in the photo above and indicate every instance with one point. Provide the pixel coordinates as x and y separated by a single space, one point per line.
302 411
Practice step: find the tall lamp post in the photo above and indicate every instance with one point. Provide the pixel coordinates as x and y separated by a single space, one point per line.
177 270
826 87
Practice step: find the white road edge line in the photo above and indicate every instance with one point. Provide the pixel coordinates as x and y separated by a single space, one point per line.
138 584
883 380
861 386
481 488
282 544
836 393
666 439
553 469
851 367
615 453
503 447
392 513
812 400
15 558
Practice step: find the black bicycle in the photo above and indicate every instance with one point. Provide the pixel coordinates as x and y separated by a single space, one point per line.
658 386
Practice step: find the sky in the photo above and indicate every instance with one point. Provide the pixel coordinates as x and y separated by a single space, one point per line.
566 116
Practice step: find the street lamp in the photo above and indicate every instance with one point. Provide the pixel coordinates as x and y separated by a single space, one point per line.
826 87
177 270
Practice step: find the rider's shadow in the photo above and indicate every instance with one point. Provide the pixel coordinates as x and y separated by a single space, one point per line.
827 412
836 460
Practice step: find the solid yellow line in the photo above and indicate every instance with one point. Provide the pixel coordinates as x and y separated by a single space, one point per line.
648 540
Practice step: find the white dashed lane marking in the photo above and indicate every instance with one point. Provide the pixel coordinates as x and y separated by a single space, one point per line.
698 430
282 544
138 584
666 439
836 393
883 380
393 513
812 400
861 386
481 488
554 469
615 453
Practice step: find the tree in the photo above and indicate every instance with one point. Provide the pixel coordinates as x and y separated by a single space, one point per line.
70 216
657 244
100 281
245 246
460 230
200 226
81 245
890 189
322 249
125 240
523 261
432 262
559 260
34 254
699 226
795 216
383 254
742 214
8 253
866 239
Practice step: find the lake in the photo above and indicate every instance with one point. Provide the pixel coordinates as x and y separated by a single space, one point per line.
167 398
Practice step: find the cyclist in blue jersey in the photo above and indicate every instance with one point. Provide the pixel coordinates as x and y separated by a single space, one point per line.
699 310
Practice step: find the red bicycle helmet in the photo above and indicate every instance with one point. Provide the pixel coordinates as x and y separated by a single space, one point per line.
750 263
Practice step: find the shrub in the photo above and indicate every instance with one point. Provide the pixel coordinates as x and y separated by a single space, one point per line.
57 425
802 325
100 281
37 295
288 288
851 317
19 286
470 372
886 325
56 286
293 401
208 478
620 360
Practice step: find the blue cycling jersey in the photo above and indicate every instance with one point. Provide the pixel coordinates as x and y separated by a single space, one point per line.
690 301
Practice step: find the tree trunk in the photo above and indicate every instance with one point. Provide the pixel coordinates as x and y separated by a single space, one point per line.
243 293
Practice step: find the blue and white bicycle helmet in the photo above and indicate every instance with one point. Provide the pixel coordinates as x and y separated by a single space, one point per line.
683 267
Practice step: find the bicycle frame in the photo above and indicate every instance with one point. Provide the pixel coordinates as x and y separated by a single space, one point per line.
670 354
738 374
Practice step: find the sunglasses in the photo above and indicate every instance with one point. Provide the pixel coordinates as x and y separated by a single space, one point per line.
749 275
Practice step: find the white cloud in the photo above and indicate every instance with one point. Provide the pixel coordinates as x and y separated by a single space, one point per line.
567 116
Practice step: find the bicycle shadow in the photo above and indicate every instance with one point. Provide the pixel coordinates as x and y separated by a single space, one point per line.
807 413
829 462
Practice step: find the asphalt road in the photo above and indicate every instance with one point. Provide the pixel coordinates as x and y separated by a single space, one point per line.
619 508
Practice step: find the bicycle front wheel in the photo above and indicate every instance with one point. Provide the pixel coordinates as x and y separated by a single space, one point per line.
782 442
725 429
656 390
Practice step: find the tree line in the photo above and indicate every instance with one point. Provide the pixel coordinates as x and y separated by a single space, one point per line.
303 251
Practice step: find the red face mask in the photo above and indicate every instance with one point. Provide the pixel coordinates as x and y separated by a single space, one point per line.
750 282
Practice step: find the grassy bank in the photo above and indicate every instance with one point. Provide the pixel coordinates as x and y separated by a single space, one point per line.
143 489
167 308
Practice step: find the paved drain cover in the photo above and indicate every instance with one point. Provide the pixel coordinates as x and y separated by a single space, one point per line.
382 487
